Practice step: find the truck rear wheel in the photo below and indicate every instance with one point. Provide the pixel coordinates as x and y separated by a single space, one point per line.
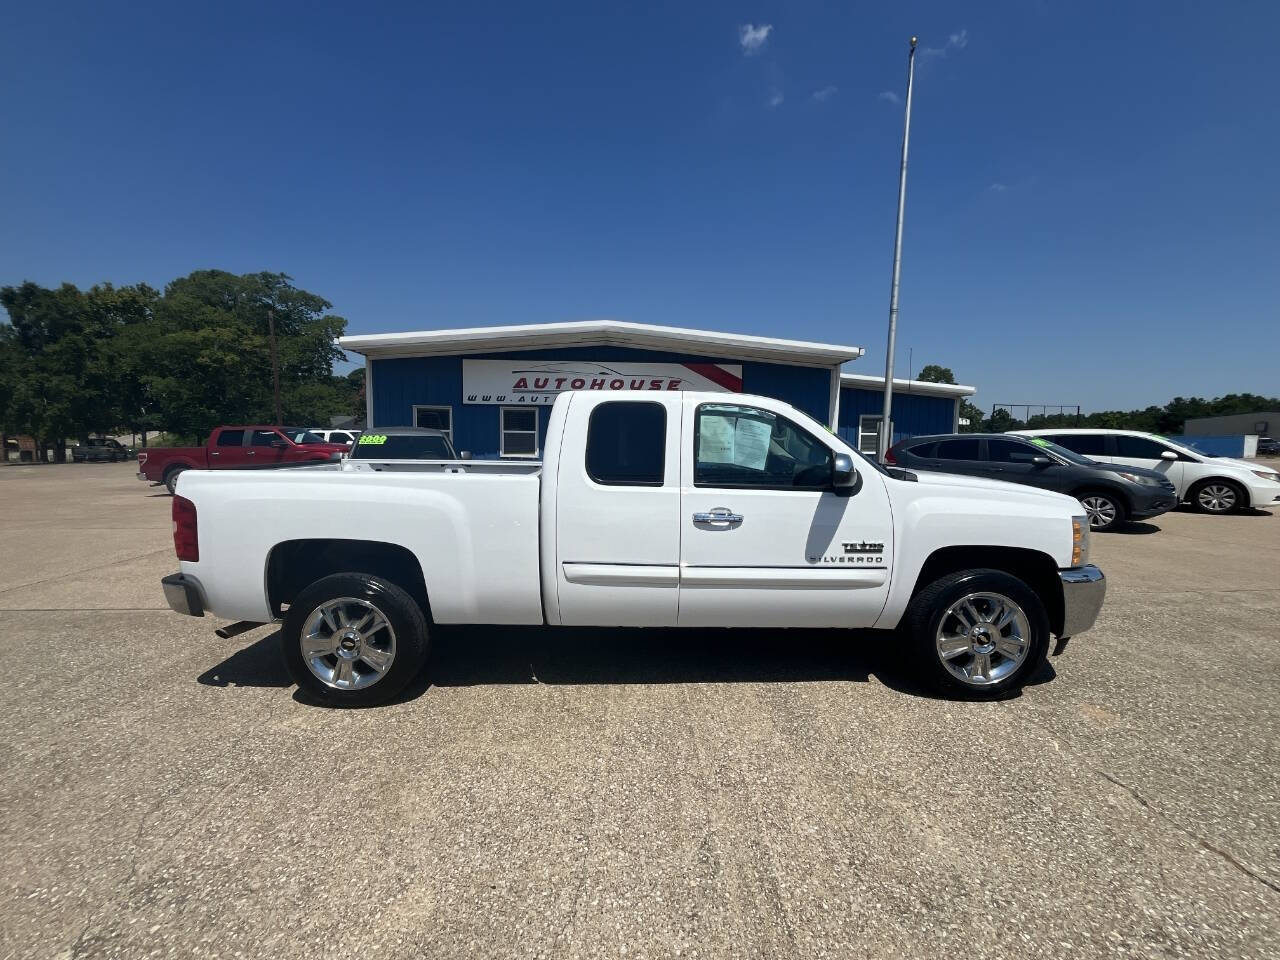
354 640
171 478
978 634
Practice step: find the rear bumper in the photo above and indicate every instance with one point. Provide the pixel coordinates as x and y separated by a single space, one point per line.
183 595
1083 590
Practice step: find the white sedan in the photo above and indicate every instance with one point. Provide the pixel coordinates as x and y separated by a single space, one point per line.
1212 484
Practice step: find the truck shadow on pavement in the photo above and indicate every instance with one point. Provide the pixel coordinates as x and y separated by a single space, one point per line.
472 656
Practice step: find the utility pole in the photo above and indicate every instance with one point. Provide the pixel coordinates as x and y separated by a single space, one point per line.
275 364
886 420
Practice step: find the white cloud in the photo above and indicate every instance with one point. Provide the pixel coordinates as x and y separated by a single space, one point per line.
775 98
826 93
752 37
955 41
998 188
888 96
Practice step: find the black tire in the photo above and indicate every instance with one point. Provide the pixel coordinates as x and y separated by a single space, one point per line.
1118 509
401 612
1206 503
171 478
929 608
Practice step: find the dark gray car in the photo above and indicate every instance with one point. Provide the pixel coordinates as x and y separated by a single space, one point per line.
1111 494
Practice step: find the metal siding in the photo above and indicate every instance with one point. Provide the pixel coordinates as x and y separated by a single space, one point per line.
913 414
399 383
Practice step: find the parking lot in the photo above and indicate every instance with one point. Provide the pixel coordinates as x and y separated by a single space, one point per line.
629 793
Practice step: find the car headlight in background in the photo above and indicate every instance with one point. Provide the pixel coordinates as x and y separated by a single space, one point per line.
1139 478
1079 541
1266 475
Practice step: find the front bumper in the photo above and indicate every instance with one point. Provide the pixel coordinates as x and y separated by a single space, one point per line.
1263 494
1160 500
1083 589
183 594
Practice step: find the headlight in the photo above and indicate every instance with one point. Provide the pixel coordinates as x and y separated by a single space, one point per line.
1266 475
1079 541
1138 478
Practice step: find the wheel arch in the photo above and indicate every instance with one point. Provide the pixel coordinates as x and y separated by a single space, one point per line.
1094 486
1246 500
294 564
1036 569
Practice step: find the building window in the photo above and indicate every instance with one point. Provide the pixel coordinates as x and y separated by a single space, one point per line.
869 434
519 432
626 444
435 418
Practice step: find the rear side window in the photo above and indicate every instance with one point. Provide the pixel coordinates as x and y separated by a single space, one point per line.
627 443
963 449
1138 447
230 438
1089 444
921 449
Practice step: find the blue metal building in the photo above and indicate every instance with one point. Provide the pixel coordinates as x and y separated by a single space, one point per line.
488 387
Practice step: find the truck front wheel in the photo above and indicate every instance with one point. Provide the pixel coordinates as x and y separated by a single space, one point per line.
978 634
354 640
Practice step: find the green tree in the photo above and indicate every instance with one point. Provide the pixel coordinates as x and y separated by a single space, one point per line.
932 373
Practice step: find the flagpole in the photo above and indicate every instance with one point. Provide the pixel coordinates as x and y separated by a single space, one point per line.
886 420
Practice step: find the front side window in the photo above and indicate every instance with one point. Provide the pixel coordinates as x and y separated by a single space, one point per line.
519 432
264 438
626 444
738 446
230 438
964 449
1139 448
1086 444
1011 451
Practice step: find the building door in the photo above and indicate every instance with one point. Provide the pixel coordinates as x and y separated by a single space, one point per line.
766 541
617 524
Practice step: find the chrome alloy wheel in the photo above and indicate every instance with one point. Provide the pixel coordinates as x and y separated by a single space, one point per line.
348 644
983 638
1101 510
1217 497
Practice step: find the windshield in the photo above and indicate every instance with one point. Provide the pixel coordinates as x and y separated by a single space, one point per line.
402 446
298 435
1069 455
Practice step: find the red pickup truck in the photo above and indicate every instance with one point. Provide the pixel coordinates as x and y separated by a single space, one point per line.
239 448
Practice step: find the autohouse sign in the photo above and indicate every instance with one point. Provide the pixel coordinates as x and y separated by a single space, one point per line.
538 381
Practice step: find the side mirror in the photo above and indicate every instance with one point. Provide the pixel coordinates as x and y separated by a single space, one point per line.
843 475
1168 455
465 455
1040 461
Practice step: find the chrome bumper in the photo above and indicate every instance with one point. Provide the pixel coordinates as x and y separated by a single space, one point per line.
183 595
1083 589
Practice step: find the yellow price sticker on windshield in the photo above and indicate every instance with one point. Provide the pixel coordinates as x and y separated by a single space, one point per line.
373 438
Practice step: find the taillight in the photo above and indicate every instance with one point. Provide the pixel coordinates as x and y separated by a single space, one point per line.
890 458
186 539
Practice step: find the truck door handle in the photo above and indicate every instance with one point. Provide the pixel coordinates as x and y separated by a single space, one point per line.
720 515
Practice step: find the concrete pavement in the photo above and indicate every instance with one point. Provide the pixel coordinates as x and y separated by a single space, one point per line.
629 793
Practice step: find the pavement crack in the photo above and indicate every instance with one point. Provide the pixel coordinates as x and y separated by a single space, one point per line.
73 573
1202 842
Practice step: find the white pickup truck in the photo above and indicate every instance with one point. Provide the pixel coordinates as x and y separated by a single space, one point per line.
675 509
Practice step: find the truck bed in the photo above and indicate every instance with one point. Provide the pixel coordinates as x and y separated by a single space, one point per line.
474 533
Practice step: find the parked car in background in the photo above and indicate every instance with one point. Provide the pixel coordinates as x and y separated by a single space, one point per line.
1110 495
378 449
243 448
1211 484
1268 447
329 435
100 449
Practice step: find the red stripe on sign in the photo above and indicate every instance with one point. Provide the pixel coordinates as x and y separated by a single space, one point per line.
717 374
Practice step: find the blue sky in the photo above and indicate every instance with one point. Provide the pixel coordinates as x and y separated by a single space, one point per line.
1092 210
